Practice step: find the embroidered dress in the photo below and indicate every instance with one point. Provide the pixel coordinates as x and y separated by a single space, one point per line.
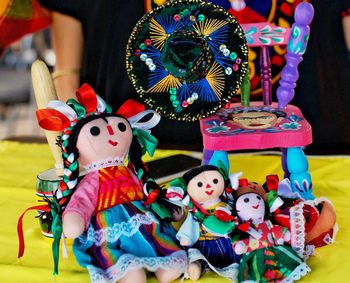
121 234
268 259
214 250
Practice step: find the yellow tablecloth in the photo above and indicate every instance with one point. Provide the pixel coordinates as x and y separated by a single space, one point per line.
20 163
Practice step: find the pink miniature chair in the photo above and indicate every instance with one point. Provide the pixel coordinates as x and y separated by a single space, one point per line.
267 124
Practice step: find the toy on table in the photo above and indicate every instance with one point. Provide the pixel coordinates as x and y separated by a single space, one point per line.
208 224
312 222
116 234
267 254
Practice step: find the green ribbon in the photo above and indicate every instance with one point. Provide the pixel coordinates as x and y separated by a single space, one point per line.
178 182
161 211
271 198
78 108
148 142
217 226
222 169
56 228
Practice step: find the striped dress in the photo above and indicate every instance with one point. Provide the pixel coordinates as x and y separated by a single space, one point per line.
121 234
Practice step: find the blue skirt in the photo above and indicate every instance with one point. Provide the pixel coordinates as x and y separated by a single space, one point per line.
127 237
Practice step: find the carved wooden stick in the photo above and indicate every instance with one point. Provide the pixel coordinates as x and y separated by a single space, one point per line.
266 83
296 48
44 91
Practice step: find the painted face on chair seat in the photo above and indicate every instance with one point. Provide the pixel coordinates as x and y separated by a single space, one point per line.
255 120
208 185
251 207
104 138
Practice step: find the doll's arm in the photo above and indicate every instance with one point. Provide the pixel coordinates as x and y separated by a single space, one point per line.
81 206
188 233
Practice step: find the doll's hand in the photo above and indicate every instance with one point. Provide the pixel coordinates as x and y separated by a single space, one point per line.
178 213
287 237
240 248
73 225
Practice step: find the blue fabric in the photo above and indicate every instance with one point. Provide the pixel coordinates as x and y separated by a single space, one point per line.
147 240
189 230
218 252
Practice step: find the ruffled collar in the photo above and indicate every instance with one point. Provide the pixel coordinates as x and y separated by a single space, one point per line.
117 161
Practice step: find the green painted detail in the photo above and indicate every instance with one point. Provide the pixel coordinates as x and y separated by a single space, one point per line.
295 32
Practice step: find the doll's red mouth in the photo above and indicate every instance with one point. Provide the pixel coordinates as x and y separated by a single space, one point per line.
114 143
256 206
209 193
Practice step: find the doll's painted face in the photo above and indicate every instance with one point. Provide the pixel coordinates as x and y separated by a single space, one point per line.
208 185
255 120
251 206
104 138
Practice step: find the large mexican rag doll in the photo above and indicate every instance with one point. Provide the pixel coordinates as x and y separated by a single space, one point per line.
117 236
266 250
205 231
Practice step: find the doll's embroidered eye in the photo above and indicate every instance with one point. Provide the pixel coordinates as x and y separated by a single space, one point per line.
121 127
200 184
215 181
246 200
95 131
258 197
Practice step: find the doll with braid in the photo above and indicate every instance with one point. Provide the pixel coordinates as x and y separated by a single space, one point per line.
206 231
117 236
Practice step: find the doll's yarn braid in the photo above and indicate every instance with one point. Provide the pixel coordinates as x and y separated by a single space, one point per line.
70 160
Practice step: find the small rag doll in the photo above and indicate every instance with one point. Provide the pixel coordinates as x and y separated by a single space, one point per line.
117 236
267 255
205 231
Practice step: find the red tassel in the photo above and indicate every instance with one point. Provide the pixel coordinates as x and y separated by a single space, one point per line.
151 198
223 216
244 227
130 108
243 182
87 97
52 120
20 226
200 208
272 182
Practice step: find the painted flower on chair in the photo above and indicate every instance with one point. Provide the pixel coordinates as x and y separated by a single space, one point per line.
294 123
217 127
294 118
291 126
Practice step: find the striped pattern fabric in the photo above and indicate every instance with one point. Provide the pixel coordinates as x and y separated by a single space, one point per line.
117 185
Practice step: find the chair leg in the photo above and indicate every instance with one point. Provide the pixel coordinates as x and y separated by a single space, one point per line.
300 177
213 156
284 162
